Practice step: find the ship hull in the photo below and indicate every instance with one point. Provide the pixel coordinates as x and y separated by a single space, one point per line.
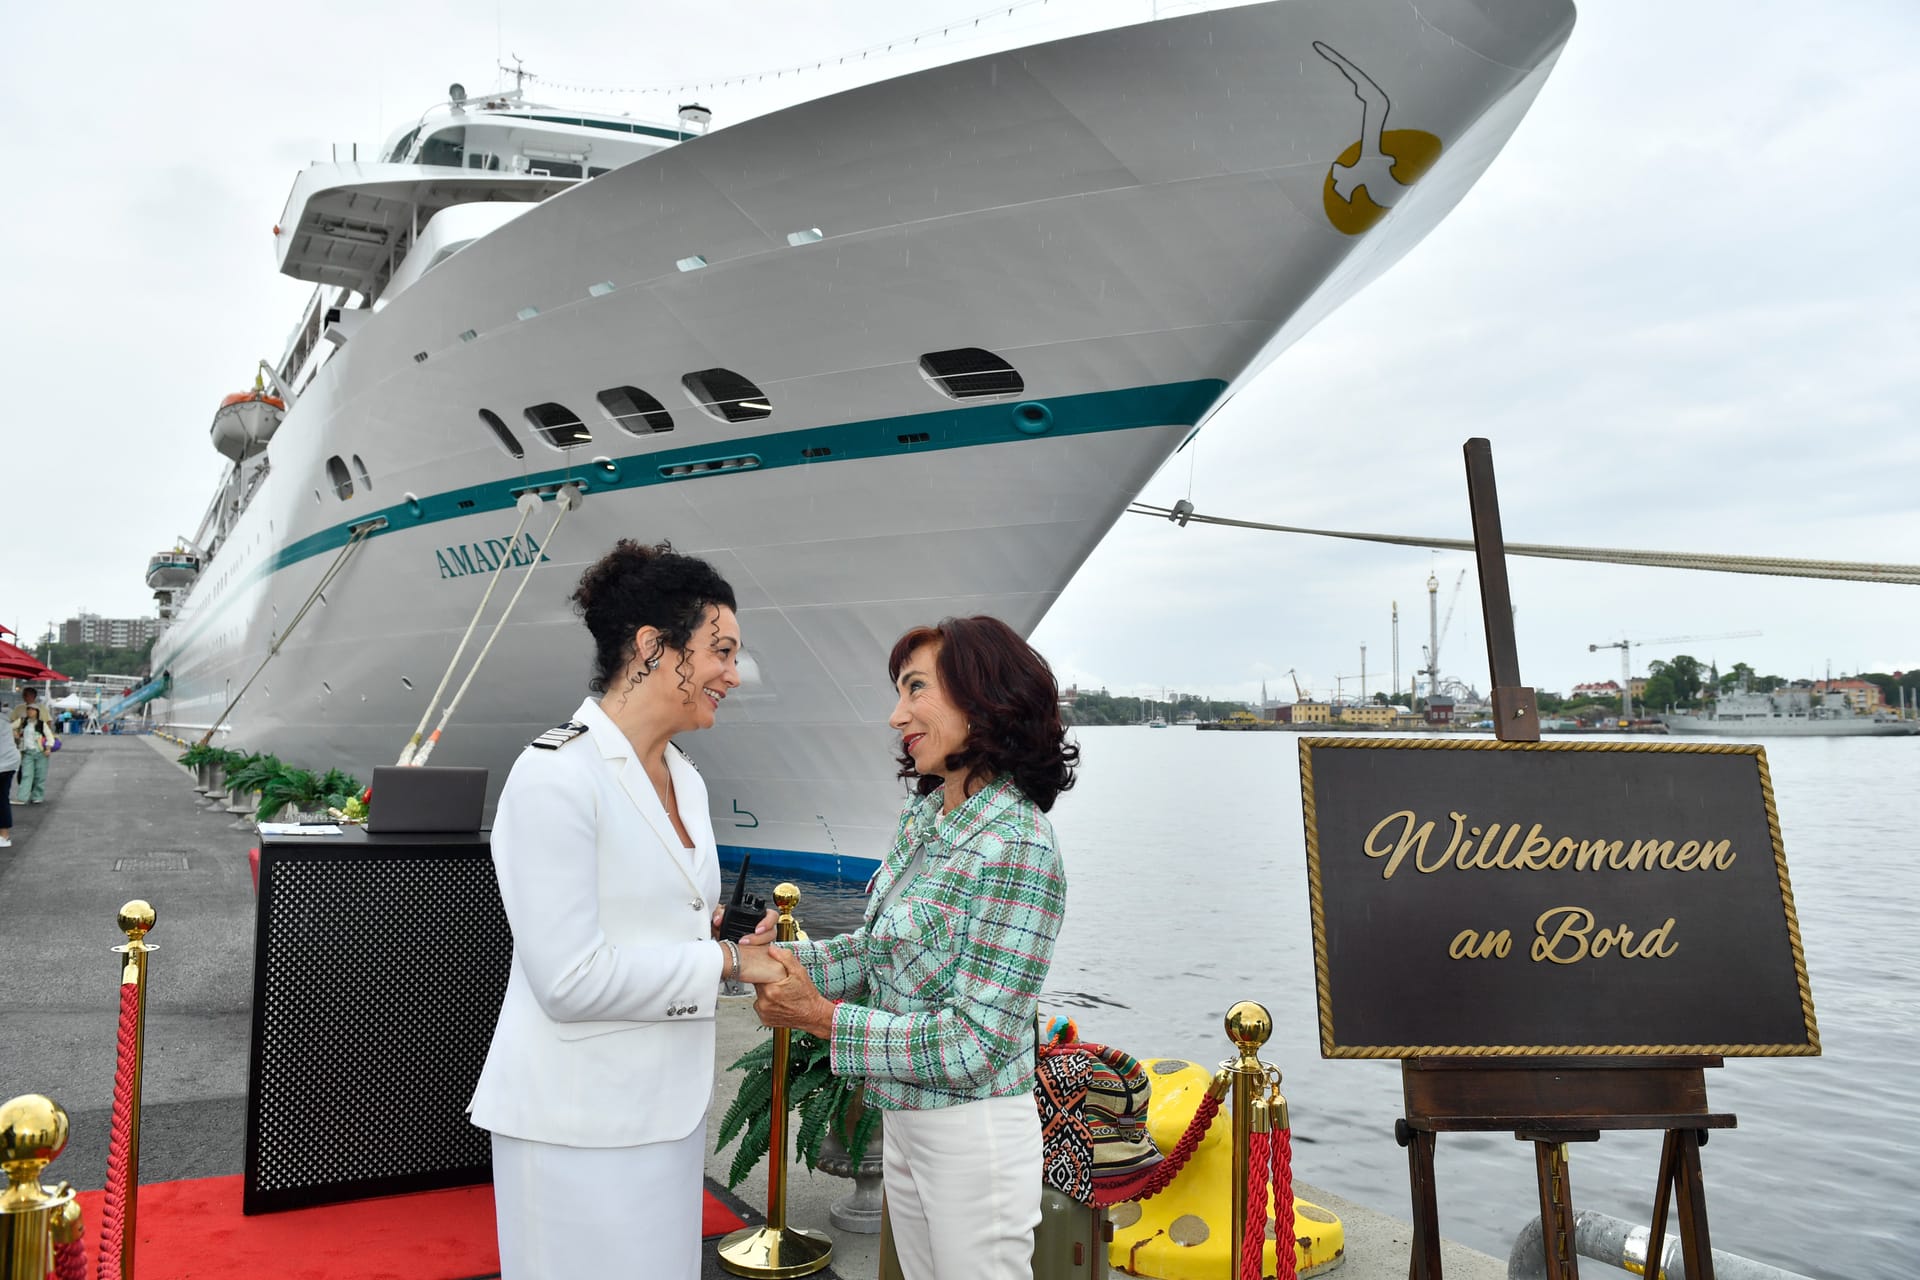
1138 221
1789 727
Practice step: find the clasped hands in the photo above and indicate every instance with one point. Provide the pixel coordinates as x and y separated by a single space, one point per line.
784 995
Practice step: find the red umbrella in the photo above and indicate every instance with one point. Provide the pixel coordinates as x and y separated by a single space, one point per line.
17 664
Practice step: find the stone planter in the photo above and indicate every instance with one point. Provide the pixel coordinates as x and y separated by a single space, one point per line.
859 1210
217 783
200 778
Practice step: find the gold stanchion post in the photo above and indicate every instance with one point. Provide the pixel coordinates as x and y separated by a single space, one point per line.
33 1130
136 920
777 1249
1249 1026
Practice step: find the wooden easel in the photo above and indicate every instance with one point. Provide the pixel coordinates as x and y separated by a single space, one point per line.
1550 1101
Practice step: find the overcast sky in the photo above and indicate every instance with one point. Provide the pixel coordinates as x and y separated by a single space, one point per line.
1682 304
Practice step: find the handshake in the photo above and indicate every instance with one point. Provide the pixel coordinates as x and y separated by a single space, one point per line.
784 995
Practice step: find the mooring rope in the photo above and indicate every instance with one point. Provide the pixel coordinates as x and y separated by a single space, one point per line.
354 539
568 497
528 503
1775 566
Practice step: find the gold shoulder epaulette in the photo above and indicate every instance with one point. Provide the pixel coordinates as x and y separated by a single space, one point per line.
559 736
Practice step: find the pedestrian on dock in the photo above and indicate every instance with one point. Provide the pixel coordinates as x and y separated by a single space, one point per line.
597 1082
9 765
33 735
932 1001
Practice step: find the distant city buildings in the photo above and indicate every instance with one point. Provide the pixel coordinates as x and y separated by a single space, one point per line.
114 633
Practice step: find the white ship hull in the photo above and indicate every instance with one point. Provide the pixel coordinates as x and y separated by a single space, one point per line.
1136 220
1747 730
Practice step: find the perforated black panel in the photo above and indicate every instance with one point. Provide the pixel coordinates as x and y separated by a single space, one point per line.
379 966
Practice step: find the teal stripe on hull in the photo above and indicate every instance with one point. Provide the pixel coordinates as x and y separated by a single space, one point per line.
1170 404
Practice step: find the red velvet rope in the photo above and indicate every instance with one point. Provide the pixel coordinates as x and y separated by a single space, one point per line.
1287 1268
1259 1167
1163 1174
113 1206
70 1260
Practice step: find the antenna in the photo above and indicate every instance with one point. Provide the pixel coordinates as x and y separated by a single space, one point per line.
517 71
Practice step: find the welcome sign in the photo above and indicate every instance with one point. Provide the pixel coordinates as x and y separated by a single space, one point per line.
1473 897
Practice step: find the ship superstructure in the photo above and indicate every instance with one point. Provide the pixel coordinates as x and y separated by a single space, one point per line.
898 353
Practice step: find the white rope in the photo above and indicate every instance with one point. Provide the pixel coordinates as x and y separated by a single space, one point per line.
354 540
568 497
1777 566
528 503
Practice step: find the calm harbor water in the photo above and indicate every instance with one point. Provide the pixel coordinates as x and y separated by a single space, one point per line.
1187 892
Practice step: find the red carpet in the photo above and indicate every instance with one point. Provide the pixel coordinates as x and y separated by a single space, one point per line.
194 1230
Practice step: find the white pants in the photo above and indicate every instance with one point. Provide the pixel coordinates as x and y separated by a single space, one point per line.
963 1189
583 1213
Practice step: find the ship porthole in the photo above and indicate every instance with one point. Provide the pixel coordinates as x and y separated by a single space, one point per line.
408 683
413 506
1033 418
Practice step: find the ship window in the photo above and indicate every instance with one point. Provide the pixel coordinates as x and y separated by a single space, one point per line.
360 469
594 171
447 147
483 160
500 433
559 426
968 373
553 169
337 477
726 395
637 412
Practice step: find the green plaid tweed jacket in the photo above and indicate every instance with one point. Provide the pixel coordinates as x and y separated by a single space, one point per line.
939 992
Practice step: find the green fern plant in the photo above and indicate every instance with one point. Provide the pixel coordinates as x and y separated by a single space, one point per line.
819 1099
198 754
250 772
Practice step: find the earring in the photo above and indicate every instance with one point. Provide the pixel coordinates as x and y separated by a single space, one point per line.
652 663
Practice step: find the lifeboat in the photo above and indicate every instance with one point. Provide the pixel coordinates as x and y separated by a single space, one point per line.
245 421
172 570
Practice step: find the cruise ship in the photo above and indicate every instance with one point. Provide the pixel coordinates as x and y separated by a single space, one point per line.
897 353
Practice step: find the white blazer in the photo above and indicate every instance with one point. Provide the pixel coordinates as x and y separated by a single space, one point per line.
605 1037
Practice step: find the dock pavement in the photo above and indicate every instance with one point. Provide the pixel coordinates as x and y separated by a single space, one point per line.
122 821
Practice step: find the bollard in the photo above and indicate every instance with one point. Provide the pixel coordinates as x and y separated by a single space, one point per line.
777 1249
1615 1243
33 1130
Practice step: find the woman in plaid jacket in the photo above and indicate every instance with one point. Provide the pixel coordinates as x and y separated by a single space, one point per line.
932 1001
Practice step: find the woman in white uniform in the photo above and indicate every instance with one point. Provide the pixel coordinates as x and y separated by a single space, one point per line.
597 1082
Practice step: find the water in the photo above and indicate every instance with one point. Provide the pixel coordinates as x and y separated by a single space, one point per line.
1187 873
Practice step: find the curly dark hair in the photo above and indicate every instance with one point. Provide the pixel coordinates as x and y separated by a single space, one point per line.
635 586
1008 694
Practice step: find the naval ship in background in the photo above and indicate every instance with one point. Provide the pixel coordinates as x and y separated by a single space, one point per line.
1787 713
900 352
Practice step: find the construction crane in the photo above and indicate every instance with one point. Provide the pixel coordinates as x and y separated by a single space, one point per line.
1299 694
1626 648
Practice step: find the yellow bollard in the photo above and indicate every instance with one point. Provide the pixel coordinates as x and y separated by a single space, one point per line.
1249 1026
136 919
33 1130
777 1249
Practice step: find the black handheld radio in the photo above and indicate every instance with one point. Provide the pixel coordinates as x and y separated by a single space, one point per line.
743 913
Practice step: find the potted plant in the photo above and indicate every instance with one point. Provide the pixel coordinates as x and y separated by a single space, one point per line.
247 776
302 791
196 759
825 1103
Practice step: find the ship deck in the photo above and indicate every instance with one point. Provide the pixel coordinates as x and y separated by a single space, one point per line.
122 821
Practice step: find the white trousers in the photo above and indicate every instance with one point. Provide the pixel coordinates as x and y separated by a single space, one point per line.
963 1189
588 1213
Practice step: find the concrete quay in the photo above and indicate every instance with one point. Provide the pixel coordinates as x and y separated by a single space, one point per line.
121 822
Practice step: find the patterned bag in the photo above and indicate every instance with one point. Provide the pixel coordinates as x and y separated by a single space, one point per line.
1093 1118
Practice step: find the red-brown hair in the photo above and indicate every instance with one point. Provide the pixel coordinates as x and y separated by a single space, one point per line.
1008 694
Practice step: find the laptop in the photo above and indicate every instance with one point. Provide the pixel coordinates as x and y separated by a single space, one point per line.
437 799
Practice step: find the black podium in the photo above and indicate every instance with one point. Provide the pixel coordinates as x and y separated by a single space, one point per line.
379 966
